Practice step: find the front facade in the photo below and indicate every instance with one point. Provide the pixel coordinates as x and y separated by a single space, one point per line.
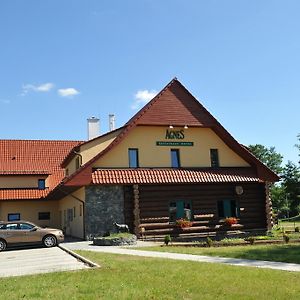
171 161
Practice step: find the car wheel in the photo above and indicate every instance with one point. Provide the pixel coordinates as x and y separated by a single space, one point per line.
49 241
2 245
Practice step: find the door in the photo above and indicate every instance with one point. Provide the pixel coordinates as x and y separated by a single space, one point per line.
30 234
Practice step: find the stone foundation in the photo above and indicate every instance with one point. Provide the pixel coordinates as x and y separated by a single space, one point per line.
104 205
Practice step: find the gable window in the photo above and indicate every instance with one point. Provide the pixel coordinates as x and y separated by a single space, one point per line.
133 156
14 217
214 158
175 160
41 184
180 209
77 163
44 215
228 208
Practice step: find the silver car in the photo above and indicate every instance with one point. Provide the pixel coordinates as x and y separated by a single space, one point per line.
16 233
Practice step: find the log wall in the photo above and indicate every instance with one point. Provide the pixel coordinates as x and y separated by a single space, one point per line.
154 205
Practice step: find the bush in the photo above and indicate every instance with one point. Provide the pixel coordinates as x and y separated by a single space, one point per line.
286 238
297 229
209 242
167 239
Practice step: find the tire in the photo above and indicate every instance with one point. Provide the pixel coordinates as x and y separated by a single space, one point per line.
3 245
49 241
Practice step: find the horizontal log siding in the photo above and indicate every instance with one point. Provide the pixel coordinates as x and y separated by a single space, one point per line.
155 199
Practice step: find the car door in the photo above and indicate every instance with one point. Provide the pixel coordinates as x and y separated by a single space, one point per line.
30 234
13 234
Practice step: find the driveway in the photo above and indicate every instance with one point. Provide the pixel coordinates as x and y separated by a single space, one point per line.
37 260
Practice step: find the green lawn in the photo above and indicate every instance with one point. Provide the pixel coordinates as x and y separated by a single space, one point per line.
130 277
284 253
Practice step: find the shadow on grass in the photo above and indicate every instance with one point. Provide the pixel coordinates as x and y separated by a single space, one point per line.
281 253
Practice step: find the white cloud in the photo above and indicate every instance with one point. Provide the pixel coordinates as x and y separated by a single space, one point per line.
69 92
4 101
44 87
141 97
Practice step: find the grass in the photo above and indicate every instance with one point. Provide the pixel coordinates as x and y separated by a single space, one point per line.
118 235
130 277
282 253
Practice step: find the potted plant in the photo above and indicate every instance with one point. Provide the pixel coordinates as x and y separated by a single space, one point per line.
230 221
183 223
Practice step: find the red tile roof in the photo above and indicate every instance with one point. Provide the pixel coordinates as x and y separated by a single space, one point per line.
168 176
22 194
32 157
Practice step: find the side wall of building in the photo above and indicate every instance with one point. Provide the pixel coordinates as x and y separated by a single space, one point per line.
71 212
29 211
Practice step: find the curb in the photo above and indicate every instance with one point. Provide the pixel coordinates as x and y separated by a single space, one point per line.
79 257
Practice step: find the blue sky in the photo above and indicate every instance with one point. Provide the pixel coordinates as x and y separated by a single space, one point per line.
64 61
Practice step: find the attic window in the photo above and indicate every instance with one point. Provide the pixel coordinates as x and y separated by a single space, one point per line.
41 184
77 163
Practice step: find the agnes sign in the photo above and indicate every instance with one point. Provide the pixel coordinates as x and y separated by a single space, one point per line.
174 134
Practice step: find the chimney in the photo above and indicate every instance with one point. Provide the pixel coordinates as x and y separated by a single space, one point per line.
112 121
93 127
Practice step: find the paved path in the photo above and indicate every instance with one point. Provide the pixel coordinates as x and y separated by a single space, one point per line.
37 260
200 258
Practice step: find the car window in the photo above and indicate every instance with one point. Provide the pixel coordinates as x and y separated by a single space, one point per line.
2 226
26 226
12 226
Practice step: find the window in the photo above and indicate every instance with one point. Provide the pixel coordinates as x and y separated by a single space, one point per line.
12 226
41 184
74 212
214 158
80 210
133 155
175 161
13 217
228 208
77 163
26 226
180 210
44 215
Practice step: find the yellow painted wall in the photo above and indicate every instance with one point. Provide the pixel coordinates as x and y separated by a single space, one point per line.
144 138
27 181
29 211
91 149
72 227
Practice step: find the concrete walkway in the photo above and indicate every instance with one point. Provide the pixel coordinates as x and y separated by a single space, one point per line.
200 258
36 261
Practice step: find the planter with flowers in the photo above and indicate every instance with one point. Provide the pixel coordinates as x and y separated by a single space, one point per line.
230 222
183 223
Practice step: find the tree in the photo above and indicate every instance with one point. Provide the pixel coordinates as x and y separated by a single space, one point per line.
273 160
291 182
268 156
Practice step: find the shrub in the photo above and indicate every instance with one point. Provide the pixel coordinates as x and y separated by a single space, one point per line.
250 239
183 223
167 239
230 221
209 242
297 229
286 238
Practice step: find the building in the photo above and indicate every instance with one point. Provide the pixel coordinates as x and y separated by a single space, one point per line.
171 160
